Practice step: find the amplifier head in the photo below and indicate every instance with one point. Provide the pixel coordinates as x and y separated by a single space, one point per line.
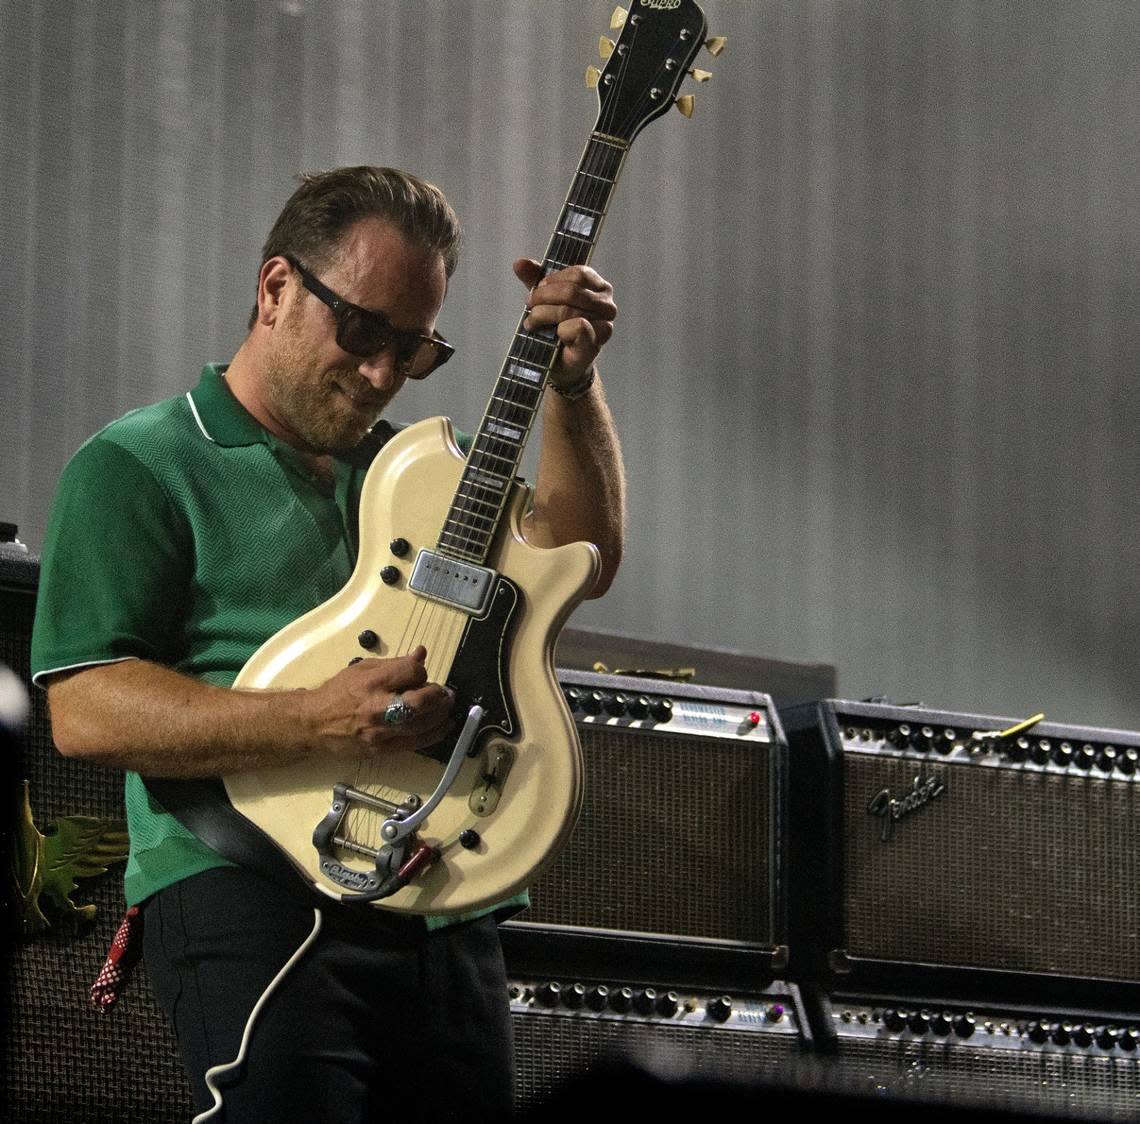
680 830
1070 1064
949 846
566 1029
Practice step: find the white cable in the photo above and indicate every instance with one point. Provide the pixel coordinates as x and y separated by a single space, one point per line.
218 1070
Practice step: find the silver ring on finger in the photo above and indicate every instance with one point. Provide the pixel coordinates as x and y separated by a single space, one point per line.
397 712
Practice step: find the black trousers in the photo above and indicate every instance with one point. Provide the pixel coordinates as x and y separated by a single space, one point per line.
378 1020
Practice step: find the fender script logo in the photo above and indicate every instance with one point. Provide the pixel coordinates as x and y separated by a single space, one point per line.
890 810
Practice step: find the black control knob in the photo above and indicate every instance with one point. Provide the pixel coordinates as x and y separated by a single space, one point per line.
668 1004
946 741
1083 1035
661 709
593 701
919 1022
1129 1039
1128 760
1017 750
1085 757
621 1000
965 1025
639 707
616 705
390 575
942 1023
894 1020
1038 1032
368 639
548 994
645 1001
399 547
573 698
923 739
598 997
1063 754
469 839
1108 1037
1062 1034
719 1008
1106 759
1040 750
574 996
899 737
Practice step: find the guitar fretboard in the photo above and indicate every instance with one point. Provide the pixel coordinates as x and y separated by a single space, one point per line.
497 450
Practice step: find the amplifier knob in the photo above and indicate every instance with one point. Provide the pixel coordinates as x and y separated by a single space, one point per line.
617 705
919 1022
1127 761
899 737
573 997
894 1020
668 1004
548 994
943 1023
621 1000
1062 1034
1129 1039
638 707
1086 757
964 1025
923 739
1108 1037
1018 750
661 709
1063 754
1083 1035
1039 751
645 1001
720 1008
1038 1032
598 997
573 699
593 701
946 741
1106 759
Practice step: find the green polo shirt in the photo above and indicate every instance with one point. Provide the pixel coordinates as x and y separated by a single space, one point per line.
186 534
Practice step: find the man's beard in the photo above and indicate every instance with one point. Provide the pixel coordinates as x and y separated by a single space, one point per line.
324 417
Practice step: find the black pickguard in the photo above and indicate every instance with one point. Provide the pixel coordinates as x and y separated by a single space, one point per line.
479 671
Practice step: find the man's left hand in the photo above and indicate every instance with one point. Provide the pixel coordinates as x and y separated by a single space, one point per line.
579 302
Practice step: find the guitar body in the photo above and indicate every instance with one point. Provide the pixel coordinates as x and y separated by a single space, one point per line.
519 786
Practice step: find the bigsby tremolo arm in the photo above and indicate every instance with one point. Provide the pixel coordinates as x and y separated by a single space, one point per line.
397 861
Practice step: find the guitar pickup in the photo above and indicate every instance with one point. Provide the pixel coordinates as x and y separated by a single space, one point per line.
454 583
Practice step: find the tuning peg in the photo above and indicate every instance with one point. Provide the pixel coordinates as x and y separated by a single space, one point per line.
618 18
716 44
593 77
606 47
685 104
700 75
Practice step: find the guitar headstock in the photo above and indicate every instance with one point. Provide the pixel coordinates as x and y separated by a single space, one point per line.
646 66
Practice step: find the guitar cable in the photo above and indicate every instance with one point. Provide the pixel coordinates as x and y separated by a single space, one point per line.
217 1071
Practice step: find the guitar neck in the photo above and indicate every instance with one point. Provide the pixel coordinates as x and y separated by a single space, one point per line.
496 452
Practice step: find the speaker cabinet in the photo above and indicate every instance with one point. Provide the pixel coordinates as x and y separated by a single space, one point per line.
567 1029
955 841
62 1059
681 826
1025 1060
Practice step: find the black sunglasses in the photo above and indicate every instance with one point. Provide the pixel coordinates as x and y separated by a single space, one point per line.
364 333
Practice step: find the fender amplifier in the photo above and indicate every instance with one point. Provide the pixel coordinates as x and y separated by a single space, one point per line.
566 1029
951 841
680 833
1069 1064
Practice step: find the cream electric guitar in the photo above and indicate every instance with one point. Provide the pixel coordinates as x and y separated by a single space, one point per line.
443 563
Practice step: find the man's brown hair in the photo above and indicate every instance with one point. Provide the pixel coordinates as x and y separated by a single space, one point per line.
326 204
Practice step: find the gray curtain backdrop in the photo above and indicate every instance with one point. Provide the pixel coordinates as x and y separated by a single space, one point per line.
876 363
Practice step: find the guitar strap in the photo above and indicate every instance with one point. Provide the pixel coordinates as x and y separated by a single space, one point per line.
204 809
